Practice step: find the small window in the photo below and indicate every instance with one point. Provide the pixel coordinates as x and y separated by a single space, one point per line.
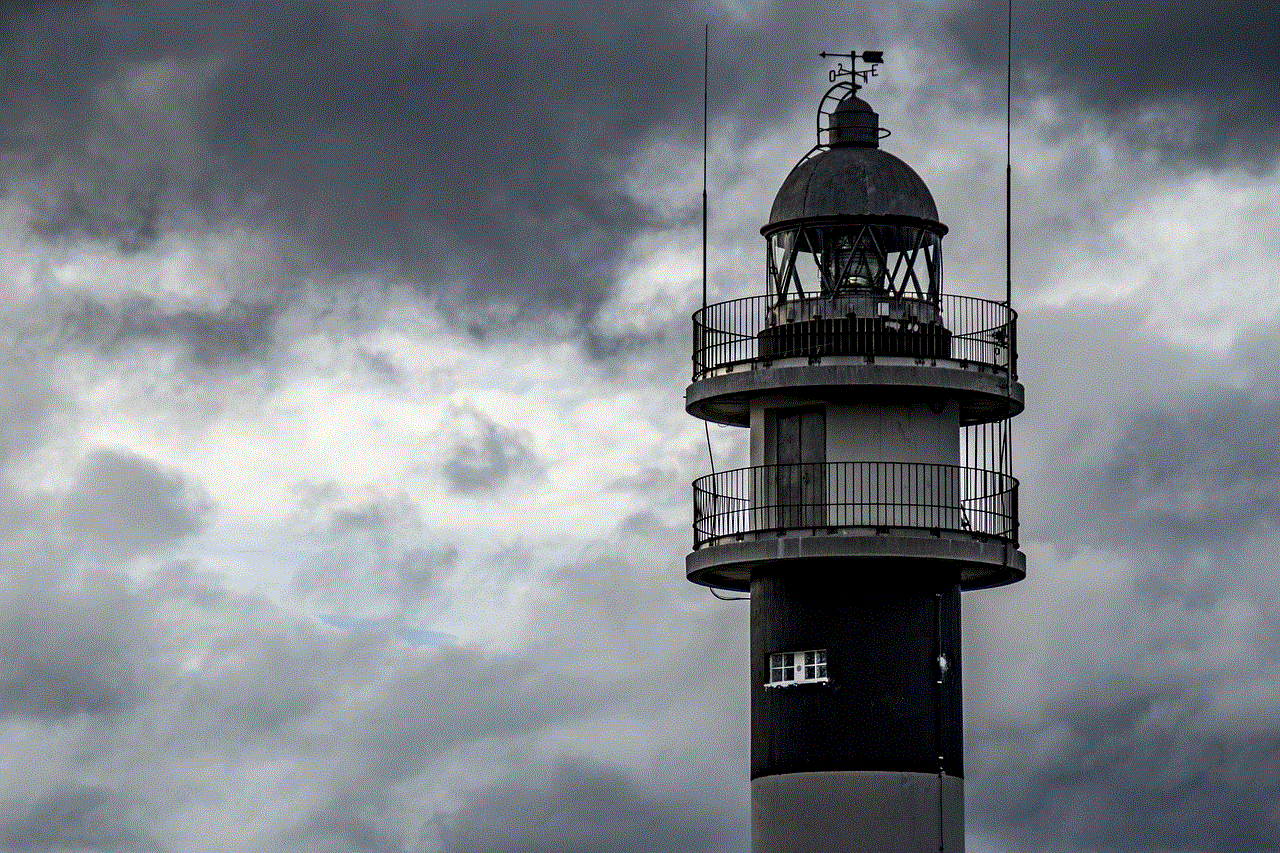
809 667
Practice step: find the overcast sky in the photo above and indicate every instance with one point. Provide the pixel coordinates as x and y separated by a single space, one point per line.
343 463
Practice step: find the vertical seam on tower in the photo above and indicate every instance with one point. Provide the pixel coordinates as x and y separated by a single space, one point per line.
937 725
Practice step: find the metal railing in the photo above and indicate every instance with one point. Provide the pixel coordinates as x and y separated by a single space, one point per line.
828 497
759 330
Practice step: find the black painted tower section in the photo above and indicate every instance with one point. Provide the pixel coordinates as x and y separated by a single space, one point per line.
882 708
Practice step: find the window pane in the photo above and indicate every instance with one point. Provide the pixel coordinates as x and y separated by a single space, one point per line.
780 667
791 667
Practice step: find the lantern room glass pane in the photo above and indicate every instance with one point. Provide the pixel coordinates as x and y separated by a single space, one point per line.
897 261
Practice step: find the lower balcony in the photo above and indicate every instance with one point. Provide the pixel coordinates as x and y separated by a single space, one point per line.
952 517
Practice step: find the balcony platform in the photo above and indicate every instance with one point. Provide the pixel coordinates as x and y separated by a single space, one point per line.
984 393
884 554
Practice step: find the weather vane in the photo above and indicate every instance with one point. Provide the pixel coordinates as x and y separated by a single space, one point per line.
871 57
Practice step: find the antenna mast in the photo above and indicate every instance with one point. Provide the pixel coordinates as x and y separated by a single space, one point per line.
1008 161
706 49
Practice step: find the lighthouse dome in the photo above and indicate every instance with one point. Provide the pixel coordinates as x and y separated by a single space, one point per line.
852 180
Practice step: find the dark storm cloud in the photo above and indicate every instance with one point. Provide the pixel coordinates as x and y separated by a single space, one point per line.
122 504
209 339
75 818
482 454
478 150
67 654
1195 80
584 806
1124 769
1145 717
350 823
1153 727
1205 472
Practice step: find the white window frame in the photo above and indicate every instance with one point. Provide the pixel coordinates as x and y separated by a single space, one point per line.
808 666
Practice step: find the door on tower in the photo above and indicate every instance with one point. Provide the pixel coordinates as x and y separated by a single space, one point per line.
800 452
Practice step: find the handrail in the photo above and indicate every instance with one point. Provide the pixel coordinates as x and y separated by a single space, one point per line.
830 497
759 330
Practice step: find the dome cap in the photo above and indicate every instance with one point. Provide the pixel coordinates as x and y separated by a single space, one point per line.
853 122
852 180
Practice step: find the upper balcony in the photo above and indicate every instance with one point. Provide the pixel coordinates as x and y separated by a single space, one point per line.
962 346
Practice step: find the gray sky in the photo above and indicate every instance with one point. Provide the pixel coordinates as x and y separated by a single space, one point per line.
343 465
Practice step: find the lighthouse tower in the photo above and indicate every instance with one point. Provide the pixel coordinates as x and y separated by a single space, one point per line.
878 405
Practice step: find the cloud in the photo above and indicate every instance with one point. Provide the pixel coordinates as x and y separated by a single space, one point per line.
348 823
483 455
377 516
122 504
209 339
69 652
72 818
1195 81
351 128
226 719
1137 713
463 695
26 414
419 571
371 559
582 806
1119 698
406 579
1207 471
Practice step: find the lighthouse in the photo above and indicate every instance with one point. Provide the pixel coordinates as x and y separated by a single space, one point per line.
877 401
